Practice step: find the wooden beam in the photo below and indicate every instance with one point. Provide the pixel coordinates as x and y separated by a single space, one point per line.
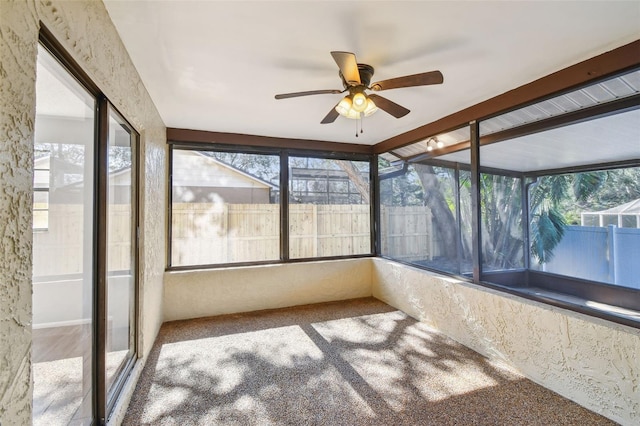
201 136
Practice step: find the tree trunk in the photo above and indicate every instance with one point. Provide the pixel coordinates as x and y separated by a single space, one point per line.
443 218
356 179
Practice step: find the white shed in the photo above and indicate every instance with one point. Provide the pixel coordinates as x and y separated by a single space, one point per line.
626 215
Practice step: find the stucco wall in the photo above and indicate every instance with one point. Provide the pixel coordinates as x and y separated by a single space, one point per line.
590 361
86 31
193 294
17 111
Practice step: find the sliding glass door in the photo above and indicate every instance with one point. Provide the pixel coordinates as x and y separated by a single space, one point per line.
121 227
63 247
84 248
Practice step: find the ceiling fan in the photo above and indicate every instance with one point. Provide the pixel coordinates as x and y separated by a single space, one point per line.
356 79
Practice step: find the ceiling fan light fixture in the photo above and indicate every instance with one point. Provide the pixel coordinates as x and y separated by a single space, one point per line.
344 106
359 102
371 108
345 109
352 106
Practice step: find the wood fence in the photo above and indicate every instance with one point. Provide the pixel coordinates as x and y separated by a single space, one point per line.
228 233
329 230
406 233
206 233
62 249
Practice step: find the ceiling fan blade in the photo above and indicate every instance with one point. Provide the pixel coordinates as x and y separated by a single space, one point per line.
348 66
386 105
422 79
307 93
331 117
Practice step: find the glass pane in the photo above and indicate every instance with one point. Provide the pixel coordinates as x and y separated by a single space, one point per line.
329 210
466 221
40 219
581 225
41 177
225 207
584 225
419 217
120 332
40 210
630 221
41 200
501 222
62 262
406 225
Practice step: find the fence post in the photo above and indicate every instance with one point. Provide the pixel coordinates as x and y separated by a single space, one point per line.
430 235
315 225
225 232
611 246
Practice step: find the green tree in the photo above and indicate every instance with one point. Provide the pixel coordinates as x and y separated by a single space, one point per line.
547 223
439 198
501 209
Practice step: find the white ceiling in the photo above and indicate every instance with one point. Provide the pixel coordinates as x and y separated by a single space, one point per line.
216 65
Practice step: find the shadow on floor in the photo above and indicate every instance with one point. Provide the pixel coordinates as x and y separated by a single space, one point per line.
358 362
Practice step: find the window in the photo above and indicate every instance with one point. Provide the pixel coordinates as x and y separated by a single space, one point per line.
605 251
578 181
224 207
229 207
41 175
558 211
329 207
425 206
501 214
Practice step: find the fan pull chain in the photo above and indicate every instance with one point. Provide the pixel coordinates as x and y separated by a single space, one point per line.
361 131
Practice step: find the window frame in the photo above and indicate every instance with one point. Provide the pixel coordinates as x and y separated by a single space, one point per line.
103 400
283 154
552 289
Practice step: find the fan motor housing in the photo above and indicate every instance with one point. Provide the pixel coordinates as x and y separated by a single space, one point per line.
366 72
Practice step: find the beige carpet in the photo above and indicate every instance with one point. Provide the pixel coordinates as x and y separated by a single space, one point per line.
358 362
58 394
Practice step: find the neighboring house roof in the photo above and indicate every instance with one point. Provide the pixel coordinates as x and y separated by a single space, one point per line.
632 207
191 175
204 179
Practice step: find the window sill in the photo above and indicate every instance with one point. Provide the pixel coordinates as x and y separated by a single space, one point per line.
614 303
601 310
536 286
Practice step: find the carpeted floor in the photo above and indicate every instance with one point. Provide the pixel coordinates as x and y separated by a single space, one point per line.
358 362
59 397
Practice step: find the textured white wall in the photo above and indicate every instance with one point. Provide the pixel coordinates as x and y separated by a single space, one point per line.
86 31
18 48
593 362
193 294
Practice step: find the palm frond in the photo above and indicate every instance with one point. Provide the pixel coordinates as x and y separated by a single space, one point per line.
547 230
